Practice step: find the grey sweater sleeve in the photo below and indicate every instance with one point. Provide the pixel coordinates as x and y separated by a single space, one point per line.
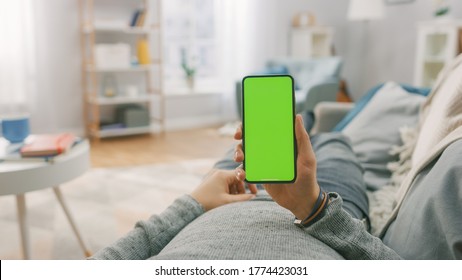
149 237
347 235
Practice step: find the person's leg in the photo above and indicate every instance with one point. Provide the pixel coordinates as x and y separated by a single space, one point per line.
227 162
308 120
338 170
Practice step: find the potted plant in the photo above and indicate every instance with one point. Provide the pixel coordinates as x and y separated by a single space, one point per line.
442 8
189 70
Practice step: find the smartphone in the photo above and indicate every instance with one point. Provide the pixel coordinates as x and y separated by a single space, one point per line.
268 129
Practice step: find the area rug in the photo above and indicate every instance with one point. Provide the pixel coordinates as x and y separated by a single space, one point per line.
105 203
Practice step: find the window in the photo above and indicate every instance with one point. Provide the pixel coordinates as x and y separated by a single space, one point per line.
16 56
190 36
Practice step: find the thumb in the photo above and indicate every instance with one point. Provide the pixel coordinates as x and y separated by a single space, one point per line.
305 151
303 140
240 197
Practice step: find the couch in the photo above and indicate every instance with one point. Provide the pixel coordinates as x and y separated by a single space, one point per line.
409 142
316 79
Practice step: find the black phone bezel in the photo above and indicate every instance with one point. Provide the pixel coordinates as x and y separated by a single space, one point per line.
293 127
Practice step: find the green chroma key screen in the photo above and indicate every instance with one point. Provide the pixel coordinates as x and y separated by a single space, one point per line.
268 129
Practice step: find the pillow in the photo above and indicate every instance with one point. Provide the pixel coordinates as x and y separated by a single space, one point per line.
359 106
277 70
375 129
304 70
442 113
274 70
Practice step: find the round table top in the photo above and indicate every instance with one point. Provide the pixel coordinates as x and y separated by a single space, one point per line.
21 176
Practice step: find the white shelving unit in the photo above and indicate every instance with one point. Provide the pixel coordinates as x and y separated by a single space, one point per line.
183 92
138 68
124 131
438 42
150 76
312 41
117 29
142 98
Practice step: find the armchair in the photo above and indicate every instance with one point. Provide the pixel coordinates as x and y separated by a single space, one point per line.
328 115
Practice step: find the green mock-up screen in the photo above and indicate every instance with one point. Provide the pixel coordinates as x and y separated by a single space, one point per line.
268 129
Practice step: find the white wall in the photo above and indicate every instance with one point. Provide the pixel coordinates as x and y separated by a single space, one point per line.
260 33
374 52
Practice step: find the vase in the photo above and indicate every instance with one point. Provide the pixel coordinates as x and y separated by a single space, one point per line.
190 82
109 86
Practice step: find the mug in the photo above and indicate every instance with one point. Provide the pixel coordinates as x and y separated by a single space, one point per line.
15 130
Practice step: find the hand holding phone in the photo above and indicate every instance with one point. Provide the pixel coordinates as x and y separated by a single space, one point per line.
298 197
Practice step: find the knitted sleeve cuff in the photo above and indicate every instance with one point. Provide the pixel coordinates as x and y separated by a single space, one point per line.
347 235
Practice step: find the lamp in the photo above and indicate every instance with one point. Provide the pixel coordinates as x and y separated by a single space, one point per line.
366 10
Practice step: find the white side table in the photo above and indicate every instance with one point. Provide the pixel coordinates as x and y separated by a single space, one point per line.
22 176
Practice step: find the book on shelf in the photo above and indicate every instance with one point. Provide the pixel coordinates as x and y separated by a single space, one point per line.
48 145
138 18
135 17
141 19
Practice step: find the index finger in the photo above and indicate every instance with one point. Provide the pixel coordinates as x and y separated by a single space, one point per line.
238 133
240 176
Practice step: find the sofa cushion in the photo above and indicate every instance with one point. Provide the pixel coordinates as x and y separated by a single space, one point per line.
305 71
375 129
274 70
363 101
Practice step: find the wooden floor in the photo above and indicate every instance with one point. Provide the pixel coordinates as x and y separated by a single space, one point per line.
149 149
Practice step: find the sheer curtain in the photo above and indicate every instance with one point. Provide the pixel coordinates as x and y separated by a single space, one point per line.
17 57
237 51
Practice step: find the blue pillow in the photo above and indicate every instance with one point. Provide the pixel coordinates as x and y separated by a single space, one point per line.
277 70
368 96
274 70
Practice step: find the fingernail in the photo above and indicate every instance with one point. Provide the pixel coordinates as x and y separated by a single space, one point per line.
238 175
235 155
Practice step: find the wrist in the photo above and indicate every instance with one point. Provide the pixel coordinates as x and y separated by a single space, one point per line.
196 195
320 205
305 207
